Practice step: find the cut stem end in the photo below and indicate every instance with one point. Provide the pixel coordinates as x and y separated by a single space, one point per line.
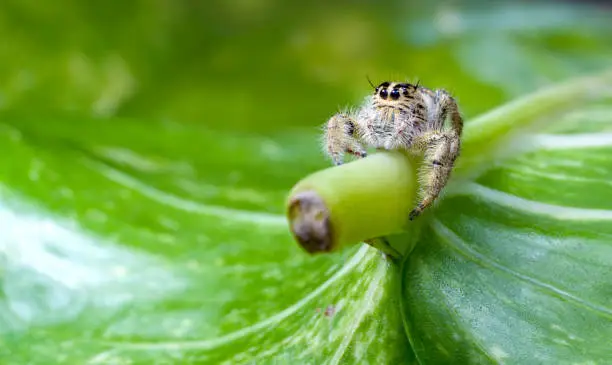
310 222
357 201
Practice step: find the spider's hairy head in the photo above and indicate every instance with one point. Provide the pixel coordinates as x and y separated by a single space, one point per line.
394 92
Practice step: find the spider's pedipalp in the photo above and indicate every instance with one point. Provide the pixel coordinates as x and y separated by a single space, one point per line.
341 136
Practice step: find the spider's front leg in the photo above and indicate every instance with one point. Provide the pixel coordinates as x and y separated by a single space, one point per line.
341 136
441 151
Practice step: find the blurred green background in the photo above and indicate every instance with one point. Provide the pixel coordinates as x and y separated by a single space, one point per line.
271 65
274 71
173 130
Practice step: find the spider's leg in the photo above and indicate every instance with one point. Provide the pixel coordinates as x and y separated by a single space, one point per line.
441 151
447 105
341 136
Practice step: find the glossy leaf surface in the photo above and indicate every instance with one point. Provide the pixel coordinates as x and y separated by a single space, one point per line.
147 151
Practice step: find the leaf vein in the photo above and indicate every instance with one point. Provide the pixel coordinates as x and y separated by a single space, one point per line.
457 244
360 315
176 202
531 206
575 141
354 261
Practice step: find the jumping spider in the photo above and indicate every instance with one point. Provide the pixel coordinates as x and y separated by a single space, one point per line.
402 116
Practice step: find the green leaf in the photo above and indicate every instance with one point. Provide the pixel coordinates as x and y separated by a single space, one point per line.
514 267
162 238
114 253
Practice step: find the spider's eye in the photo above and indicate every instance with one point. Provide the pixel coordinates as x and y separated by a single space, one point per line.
383 93
395 94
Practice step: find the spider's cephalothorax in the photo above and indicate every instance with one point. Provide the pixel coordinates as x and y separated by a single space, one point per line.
402 116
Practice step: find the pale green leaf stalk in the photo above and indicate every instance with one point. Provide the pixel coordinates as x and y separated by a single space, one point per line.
354 202
483 137
372 197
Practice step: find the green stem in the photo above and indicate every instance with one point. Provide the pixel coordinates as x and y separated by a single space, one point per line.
352 203
484 135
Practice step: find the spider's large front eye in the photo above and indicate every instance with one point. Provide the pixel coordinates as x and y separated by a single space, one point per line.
395 94
383 93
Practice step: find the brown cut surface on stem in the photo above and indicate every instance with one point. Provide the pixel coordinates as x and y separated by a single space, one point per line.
310 222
